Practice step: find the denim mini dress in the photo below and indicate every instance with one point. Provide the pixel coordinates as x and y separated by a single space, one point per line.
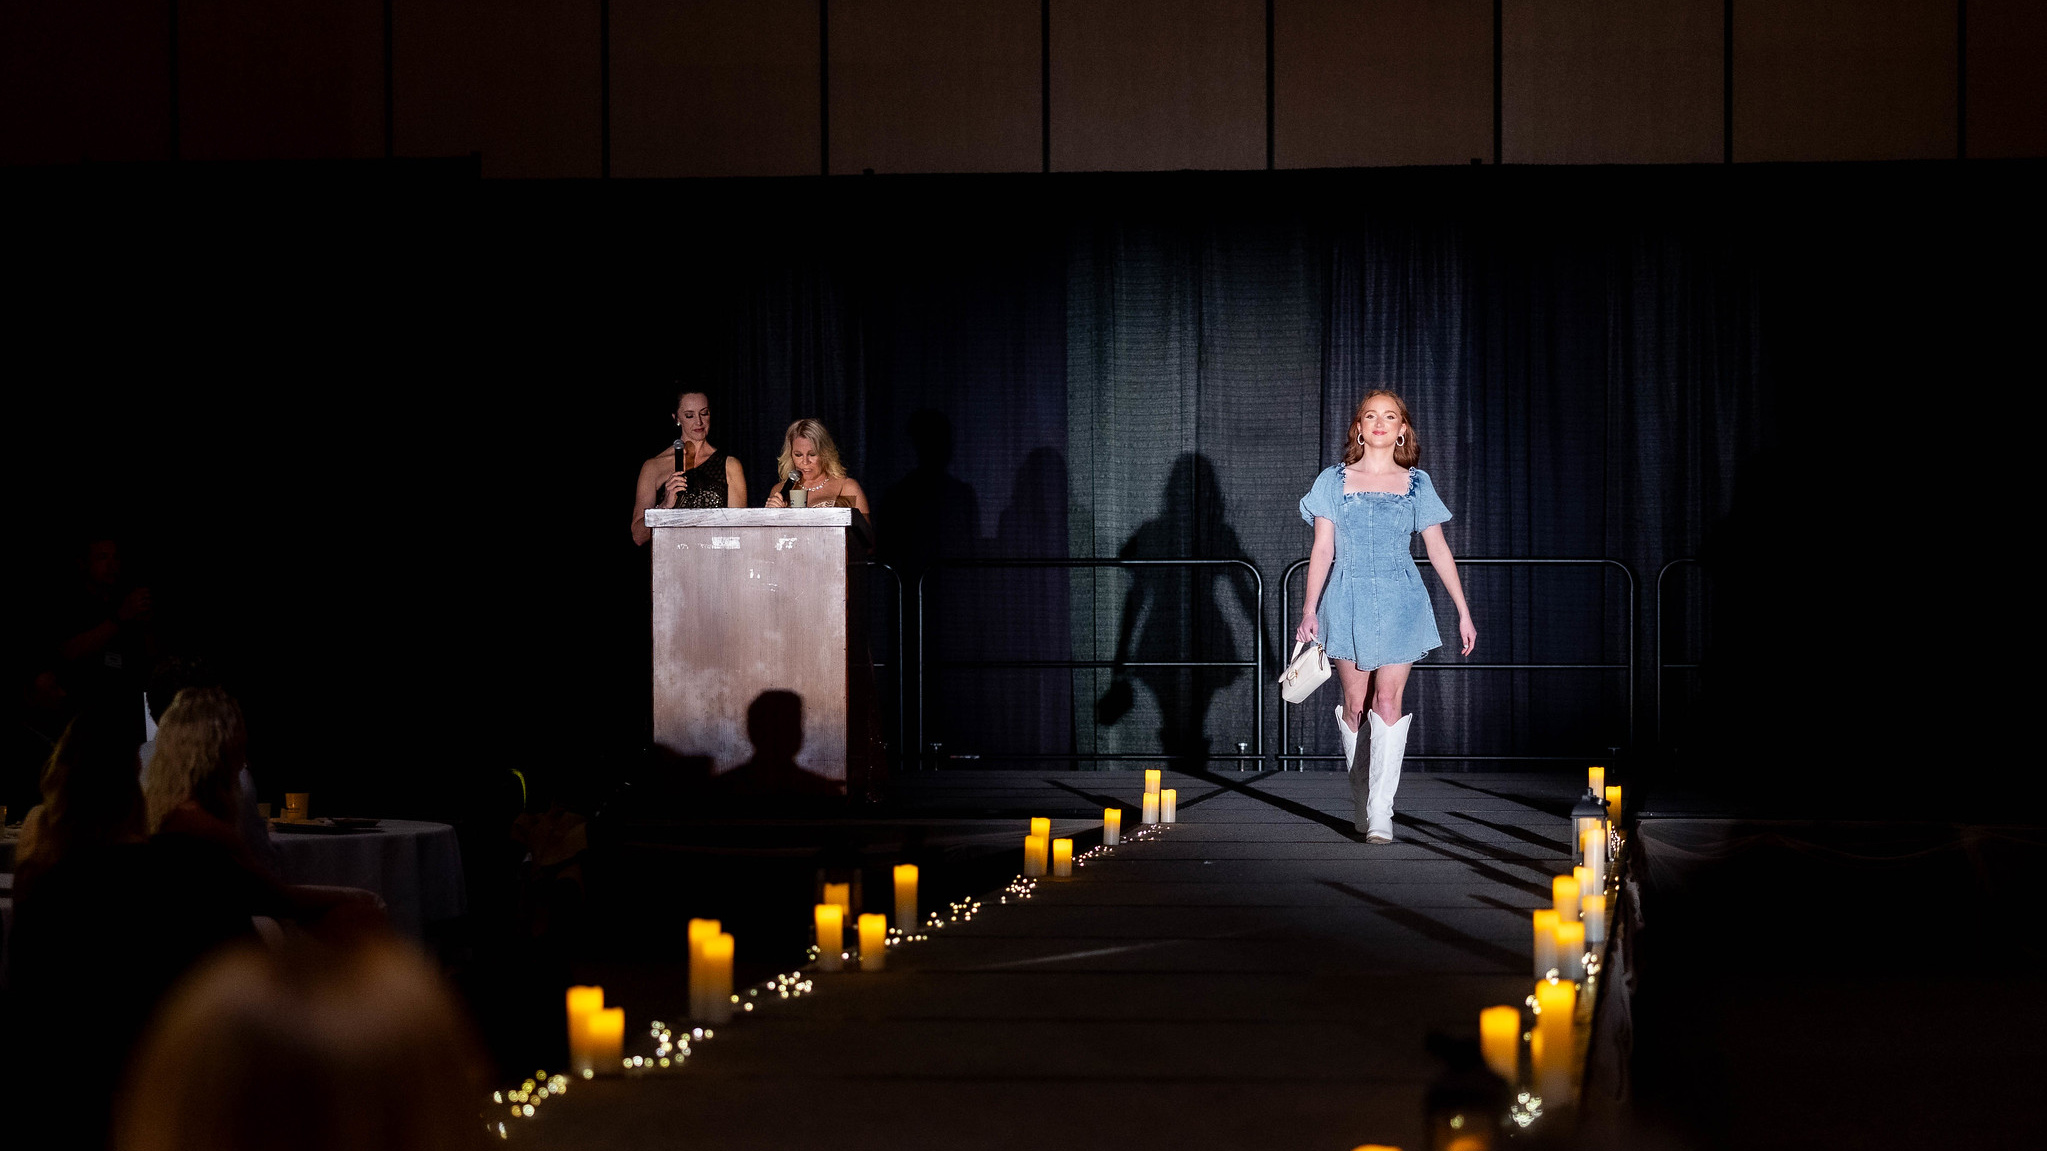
1374 609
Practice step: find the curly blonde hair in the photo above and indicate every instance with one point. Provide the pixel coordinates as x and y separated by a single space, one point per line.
1406 454
201 748
827 451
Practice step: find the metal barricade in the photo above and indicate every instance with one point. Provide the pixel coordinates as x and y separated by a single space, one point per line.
1285 716
895 660
1256 663
1661 666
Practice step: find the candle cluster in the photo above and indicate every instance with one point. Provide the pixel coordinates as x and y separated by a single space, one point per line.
1569 939
710 972
596 1033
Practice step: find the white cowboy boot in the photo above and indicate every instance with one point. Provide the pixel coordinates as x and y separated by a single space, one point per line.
1389 746
1357 778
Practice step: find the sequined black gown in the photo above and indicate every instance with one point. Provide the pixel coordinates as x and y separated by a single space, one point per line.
706 483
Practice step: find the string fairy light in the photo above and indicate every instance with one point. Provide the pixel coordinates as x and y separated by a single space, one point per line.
670 1050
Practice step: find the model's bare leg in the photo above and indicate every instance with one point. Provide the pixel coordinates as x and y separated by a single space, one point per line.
1356 691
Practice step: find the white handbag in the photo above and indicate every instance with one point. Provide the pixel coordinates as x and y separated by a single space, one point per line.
1305 672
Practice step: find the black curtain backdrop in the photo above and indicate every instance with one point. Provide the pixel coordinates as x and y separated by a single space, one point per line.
1136 376
372 437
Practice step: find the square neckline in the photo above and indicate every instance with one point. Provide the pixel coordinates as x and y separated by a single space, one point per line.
1343 488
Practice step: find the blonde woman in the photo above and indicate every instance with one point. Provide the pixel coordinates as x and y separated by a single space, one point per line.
809 454
202 746
1366 604
195 808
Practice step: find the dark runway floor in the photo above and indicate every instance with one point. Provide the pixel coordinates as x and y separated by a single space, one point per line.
1253 976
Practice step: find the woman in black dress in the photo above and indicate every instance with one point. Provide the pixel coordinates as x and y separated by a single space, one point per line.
691 473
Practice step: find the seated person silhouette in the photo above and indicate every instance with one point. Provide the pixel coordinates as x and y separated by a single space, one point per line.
774 725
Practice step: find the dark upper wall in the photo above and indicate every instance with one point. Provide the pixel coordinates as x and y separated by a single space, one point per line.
717 88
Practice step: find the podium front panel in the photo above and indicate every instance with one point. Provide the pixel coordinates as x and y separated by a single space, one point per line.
749 601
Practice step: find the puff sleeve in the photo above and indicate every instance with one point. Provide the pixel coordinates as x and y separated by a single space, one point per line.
1322 498
1428 506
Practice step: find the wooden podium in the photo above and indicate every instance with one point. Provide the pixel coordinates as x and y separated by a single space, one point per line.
750 602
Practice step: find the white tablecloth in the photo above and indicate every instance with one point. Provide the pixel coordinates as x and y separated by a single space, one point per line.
416 867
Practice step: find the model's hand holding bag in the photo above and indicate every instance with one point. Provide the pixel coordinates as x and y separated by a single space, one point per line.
1305 671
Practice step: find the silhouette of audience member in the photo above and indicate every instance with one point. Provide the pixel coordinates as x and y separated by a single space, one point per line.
106 639
308 1046
99 933
1175 613
90 798
774 724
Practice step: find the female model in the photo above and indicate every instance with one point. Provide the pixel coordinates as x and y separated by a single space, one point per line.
706 477
1377 613
809 453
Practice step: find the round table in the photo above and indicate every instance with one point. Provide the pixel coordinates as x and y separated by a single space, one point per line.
415 866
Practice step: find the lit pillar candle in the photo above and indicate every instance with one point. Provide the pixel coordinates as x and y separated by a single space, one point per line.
699 930
1583 875
1545 942
1559 1002
1595 919
1169 805
1595 778
1042 826
1112 826
717 984
906 896
1499 1039
1613 815
1034 855
1151 807
1564 896
873 942
606 1036
1062 858
583 1002
831 937
1570 949
841 894
1580 826
1151 780
1594 845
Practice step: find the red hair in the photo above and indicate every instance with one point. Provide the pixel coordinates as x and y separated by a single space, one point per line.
1406 454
